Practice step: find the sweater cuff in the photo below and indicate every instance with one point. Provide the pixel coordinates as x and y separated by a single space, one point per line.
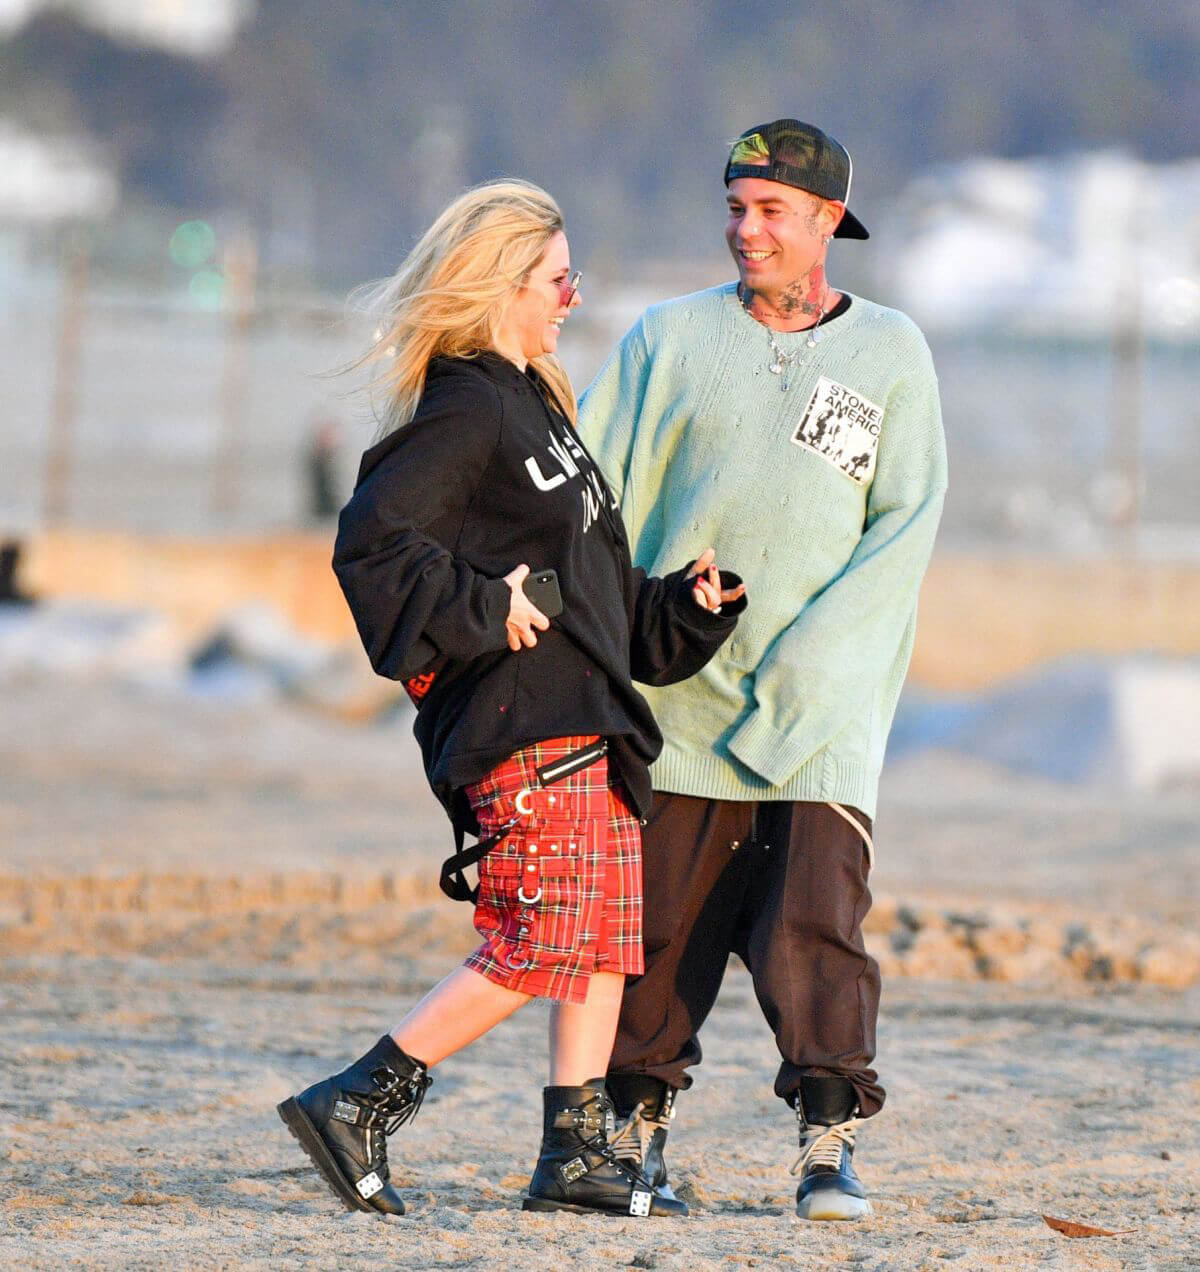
774 756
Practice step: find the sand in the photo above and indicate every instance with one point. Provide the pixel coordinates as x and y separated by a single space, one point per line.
203 907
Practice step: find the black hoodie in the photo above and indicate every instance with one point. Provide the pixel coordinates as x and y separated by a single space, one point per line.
487 476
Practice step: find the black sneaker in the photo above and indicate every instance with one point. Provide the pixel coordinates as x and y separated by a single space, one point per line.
829 1188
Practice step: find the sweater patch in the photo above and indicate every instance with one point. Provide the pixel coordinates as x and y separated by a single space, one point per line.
843 427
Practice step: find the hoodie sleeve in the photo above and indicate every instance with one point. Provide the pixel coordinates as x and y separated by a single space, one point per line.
412 599
670 636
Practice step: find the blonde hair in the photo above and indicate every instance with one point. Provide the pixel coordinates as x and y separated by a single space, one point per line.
450 291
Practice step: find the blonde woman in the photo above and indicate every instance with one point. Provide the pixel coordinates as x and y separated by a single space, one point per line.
532 733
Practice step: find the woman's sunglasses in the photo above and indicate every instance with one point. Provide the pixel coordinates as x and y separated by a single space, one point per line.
568 287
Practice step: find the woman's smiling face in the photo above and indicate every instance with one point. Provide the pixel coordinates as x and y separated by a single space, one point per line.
530 326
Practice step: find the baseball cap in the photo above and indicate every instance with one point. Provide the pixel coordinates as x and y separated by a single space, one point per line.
799 155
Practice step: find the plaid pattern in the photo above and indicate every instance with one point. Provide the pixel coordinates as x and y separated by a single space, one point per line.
561 896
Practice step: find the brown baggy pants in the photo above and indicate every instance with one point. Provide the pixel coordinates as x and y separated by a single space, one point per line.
782 885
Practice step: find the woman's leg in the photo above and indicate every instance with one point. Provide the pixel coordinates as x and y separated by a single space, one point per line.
456 1011
581 1034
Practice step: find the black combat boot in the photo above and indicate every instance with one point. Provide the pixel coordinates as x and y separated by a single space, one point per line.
826 1108
645 1107
342 1123
577 1170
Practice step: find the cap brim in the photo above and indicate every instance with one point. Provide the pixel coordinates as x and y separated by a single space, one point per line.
850 227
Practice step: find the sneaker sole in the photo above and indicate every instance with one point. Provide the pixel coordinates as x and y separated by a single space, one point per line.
305 1134
545 1204
827 1204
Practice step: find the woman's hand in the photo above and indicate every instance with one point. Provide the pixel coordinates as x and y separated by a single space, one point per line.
706 591
523 614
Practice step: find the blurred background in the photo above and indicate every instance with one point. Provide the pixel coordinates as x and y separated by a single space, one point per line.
191 189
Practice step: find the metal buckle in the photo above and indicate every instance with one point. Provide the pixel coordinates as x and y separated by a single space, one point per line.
385 1078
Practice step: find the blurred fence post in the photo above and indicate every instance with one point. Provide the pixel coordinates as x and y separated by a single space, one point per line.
241 268
1128 341
64 406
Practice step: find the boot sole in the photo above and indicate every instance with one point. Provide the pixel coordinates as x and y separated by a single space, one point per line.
827 1204
305 1134
545 1204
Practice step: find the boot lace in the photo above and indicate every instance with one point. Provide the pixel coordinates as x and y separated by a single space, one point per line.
397 1101
600 1143
825 1150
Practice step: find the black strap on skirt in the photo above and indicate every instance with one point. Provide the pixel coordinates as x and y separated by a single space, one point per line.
453 882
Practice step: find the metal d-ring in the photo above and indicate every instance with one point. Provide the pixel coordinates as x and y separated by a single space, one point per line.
513 965
525 808
537 896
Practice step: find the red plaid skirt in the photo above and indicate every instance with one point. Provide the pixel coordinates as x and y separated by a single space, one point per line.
560 897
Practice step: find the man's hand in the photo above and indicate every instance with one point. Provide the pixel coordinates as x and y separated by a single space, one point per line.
523 614
706 591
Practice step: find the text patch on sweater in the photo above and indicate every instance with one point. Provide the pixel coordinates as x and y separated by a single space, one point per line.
843 427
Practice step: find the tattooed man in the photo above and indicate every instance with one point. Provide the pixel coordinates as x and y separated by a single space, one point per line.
797 429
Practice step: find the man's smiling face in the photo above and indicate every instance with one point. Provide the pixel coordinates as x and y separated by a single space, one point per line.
776 232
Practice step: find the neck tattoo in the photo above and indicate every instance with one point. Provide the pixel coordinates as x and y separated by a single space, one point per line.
781 363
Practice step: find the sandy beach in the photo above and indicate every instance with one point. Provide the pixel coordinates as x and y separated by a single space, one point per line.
203 907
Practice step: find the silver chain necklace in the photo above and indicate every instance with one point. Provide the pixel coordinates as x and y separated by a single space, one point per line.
781 362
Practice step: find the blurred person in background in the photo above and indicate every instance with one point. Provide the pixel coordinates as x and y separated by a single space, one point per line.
798 429
532 733
321 468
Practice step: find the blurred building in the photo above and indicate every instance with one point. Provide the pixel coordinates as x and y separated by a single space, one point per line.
47 184
44 179
1078 245
195 27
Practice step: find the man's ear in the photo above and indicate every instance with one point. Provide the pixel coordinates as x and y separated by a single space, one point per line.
830 215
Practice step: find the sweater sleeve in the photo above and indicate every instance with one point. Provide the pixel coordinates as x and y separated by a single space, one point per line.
412 599
670 636
807 688
611 404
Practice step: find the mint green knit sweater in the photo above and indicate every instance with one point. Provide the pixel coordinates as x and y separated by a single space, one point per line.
824 495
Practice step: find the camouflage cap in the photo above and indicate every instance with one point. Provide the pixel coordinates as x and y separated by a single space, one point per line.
799 155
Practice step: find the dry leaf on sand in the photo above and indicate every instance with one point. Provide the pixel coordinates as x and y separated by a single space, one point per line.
1071 1229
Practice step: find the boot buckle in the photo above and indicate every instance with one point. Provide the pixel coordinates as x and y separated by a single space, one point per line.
386 1079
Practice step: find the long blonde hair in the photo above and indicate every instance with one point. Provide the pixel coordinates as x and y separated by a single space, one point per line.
451 290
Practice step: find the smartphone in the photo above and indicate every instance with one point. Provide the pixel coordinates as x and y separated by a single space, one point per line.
541 586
